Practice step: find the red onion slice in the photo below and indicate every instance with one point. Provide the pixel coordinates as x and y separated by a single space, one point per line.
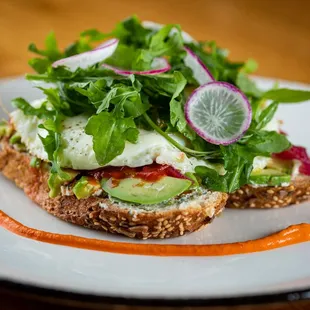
159 65
200 72
84 60
187 38
107 43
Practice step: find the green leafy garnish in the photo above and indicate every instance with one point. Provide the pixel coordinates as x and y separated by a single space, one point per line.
110 134
25 106
285 95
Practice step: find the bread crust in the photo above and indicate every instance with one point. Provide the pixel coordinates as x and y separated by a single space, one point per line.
103 214
267 197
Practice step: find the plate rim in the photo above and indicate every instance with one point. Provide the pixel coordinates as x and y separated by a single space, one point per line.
61 296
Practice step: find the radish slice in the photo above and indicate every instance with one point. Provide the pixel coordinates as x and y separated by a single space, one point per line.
219 112
159 65
84 60
107 43
187 38
200 72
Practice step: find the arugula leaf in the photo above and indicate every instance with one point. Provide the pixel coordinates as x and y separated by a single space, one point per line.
126 100
54 99
94 35
250 66
211 179
161 84
40 65
268 142
131 58
28 109
133 105
131 32
109 135
176 109
49 140
267 115
177 117
51 50
247 86
285 95
94 91
105 103
166 42
238 169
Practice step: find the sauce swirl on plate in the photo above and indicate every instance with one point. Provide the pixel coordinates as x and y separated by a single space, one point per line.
292 235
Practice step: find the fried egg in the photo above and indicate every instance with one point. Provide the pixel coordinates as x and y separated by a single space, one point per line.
77 151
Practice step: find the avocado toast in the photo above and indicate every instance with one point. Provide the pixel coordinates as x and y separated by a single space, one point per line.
143 135
280 181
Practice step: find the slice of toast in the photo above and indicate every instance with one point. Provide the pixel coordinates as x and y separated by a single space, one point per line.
265 197
103 214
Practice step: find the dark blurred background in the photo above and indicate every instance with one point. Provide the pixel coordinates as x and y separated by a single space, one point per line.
274 32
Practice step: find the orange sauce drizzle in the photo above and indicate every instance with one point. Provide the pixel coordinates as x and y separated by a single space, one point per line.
292 235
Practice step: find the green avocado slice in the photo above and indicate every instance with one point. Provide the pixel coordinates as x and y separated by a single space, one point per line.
139 191
269 177
55 181
83 189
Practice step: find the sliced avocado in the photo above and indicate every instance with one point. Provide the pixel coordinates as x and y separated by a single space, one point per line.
35 162
2 131
83 188
15 139
55 181
5 130
269 177
139 191
193 178
285 166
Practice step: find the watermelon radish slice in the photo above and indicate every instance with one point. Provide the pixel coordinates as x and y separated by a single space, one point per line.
219 112
159 65
84 60
187 38
200 72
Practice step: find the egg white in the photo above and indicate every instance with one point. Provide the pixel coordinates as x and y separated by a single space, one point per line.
78 153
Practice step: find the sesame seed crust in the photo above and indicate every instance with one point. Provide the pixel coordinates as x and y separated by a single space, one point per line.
160 223
267 197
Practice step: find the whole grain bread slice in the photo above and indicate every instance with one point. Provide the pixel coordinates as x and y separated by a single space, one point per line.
104 214
265 197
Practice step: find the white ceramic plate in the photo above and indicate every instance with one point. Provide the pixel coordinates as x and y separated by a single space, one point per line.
49 266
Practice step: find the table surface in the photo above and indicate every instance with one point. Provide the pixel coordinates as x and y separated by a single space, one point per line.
14 299
276 32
